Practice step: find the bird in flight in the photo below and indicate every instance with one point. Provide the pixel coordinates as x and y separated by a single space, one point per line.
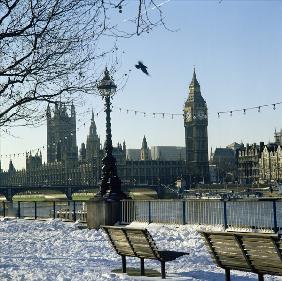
141 66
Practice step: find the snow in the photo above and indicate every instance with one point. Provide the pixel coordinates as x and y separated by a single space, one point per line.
56 250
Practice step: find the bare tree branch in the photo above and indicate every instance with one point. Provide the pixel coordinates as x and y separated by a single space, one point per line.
52 48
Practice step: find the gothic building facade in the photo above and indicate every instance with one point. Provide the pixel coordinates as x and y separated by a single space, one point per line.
248 163
196 134
260 163
63 165
61 136
270 163
66 167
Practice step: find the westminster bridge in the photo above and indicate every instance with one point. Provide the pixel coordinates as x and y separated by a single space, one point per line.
9 191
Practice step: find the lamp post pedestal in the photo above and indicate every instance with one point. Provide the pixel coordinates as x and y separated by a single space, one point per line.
101 211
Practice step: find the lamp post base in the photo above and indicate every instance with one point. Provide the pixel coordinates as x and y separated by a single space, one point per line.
102 212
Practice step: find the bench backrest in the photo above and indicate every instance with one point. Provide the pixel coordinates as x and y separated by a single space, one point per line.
130 241
257 252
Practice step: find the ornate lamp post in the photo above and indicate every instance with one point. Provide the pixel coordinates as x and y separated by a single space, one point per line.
111 184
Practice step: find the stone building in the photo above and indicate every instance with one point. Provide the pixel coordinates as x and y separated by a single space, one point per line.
224 160
261 163
248 163
61 136
168 153
65 167
146 170
196 134
145 151
278 137
270 163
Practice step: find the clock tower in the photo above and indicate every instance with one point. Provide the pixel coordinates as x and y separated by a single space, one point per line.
196 134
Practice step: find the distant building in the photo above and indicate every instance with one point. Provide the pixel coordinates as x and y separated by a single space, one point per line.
278 137
213 173
270 163
152 171
63 169
146 170
196 134
133 154
234 146
93 144
168 153
145 151
248 163
61 136
261 163
63 166
225 161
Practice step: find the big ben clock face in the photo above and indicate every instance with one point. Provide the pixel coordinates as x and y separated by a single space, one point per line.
202 115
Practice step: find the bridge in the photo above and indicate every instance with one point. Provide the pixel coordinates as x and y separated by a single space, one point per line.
9 191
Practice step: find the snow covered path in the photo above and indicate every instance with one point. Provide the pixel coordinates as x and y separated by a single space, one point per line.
54 250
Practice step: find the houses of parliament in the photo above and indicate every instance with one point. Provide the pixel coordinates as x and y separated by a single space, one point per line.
68 165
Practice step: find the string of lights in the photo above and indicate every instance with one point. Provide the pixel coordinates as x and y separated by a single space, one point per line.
172 115
244 110
147 114
136 112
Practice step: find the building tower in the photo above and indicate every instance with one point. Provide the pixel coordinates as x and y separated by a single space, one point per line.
61 136
92 143
196 135
278 137
145 151
82 153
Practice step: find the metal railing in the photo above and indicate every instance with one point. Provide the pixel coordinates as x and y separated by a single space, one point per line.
67 210
237 214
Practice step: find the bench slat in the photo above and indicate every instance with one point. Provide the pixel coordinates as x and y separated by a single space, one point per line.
268 268
221 239
262 257
232 253
233 247
144 249
224 245
260 243
233 259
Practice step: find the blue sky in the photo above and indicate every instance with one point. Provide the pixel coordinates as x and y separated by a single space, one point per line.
236 47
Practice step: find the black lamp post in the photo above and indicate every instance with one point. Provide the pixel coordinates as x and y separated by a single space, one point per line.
110 184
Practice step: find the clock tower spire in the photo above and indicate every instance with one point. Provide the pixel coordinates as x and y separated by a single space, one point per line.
196 134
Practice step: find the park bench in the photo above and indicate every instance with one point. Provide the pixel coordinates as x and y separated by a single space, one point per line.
259 253
138 242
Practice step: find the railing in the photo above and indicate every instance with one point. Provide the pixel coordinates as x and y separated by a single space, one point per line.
67 210
237 214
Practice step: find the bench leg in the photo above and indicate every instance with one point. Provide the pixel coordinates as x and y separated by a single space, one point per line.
163 269
227 275
142 266
123 259
260 277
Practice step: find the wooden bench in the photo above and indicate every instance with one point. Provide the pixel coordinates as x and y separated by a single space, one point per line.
255 252
137 242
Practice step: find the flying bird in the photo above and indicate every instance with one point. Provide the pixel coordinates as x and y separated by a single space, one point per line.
141 66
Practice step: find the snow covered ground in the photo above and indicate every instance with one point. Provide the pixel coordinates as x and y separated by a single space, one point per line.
54 250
